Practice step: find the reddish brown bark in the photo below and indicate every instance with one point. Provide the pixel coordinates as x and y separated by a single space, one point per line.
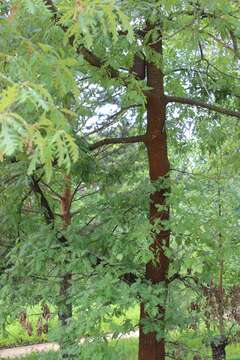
156 143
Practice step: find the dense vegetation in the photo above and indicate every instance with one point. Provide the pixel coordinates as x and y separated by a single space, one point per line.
119 148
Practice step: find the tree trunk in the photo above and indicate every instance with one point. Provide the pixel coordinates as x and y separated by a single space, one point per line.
65 311
65 314
218 348
221 270
65 307
156 142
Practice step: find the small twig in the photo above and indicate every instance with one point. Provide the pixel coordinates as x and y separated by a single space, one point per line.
51 189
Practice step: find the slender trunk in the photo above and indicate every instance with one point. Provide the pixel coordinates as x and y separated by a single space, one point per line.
219 344
221 270
157 270
65 311
65 307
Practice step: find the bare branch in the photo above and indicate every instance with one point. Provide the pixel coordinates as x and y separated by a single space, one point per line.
58 196
48 213
235 43
27 210
202 104
112 119
186 26
184 279
74 193
111 141
86 195
220 42
220 71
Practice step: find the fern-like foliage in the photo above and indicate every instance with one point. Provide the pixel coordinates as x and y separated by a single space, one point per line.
87 18
44 142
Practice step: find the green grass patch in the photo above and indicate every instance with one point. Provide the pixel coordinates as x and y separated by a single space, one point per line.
127 349
14 335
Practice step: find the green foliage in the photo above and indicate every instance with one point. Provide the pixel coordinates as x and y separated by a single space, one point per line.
67 83
44 141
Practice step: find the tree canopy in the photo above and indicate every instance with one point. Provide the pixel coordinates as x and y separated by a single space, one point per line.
119 148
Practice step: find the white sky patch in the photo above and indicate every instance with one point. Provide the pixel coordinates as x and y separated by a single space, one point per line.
102 114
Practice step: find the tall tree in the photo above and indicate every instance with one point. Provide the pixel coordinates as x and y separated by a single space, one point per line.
114 44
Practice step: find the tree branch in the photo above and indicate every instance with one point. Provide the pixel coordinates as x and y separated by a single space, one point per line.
184 278
112 119
110 141
86 195
199 103
91 58
51 190
52 8
48 213
235 43
219 41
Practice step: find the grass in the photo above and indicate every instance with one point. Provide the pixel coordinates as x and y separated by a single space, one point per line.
15 335
233 352
127 350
